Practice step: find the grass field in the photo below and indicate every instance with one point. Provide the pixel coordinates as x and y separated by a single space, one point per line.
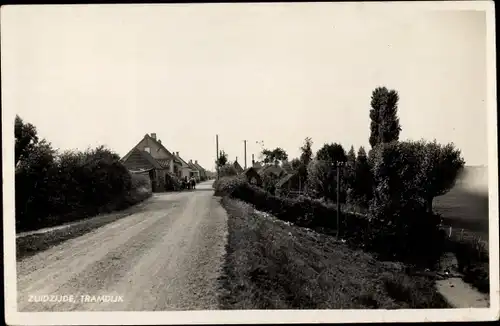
466 207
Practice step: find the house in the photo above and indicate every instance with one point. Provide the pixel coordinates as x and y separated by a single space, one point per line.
273 170
185 170
290 183
253 176
203 173
256 165
150 155
195 172
237 166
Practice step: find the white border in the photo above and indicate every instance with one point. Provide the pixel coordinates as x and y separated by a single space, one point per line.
269 316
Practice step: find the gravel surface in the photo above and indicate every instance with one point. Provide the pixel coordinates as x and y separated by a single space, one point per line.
166 257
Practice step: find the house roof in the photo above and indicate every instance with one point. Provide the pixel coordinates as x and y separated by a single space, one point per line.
182 161
163 163
257 166
271 168
192 166
199 167
237 166
148 157
251 169
285 179
164 148
159 162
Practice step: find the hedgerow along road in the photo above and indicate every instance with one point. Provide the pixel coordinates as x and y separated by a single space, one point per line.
168 256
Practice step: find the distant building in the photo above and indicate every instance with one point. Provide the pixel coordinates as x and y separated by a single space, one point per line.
203 173
237 166
163 167
195 172
253 177
273 170
290 183
185 169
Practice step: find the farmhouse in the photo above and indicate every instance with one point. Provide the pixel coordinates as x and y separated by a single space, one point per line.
195 172
237 166
273 170
290 183
150 156
203 173
253 176
185 170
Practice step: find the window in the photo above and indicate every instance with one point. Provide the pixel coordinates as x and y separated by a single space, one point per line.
147 149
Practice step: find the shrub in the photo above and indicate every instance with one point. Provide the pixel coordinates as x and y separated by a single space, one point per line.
227 171
226 185
172 182
140 182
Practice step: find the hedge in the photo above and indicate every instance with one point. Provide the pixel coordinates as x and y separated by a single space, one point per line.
357 229
53 189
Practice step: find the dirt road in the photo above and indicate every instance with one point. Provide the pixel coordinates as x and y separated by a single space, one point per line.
166 257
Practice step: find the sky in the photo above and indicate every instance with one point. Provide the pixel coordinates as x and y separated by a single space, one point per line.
271 73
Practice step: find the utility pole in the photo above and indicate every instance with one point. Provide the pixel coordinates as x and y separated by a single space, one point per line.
338 165
217 149
245 142
338 199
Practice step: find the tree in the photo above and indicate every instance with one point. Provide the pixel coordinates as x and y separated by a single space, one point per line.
320 182
439 168
306 152
35 181
26 138
350 170
384 126
321 172
276 155
304 160
400 225
295 164
222 160
363 181
331 153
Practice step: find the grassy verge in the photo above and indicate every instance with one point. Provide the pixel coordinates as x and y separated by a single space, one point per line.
473 260
467 212
271 264
29 245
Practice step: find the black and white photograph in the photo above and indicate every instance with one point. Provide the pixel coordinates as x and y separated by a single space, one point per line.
190 163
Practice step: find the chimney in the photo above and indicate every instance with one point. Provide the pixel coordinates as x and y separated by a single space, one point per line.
236 159
159 140
196 162
191 161
253 161
153 135
177 153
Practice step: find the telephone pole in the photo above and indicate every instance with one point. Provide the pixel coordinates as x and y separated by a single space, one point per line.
338 167
245 142
338 199
217 149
